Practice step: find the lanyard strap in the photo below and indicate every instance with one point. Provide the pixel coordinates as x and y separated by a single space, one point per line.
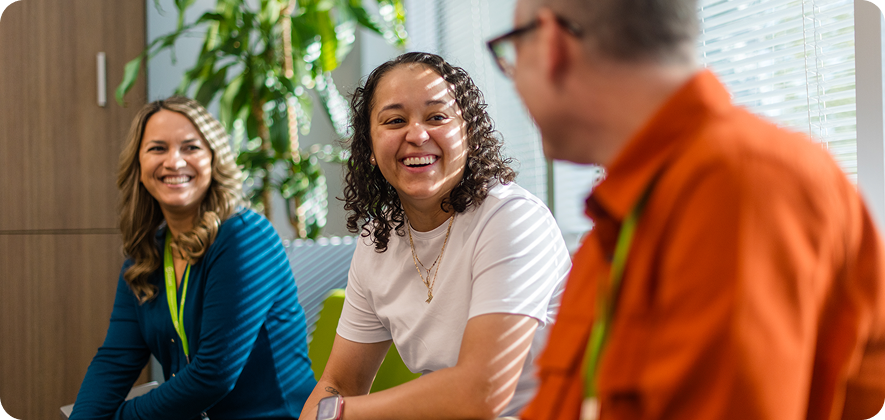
605 304
177 311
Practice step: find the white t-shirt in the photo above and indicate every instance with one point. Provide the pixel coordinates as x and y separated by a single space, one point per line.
505 256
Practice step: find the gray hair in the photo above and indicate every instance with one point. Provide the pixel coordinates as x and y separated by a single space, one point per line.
631 30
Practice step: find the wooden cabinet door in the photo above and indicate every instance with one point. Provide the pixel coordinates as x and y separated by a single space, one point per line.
59 246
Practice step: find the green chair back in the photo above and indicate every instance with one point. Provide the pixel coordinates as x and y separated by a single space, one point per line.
392 372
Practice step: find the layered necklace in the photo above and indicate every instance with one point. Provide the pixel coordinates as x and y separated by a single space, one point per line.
428 282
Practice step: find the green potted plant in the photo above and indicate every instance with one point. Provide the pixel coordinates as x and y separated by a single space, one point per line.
261 58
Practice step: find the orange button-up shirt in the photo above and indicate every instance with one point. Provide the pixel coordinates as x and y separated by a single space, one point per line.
754 289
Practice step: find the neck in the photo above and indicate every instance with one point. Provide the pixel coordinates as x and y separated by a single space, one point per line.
179 222
426 218
625 97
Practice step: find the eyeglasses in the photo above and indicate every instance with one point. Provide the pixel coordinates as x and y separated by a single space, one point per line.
504 49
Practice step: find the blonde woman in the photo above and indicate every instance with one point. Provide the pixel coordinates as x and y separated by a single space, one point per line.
206 288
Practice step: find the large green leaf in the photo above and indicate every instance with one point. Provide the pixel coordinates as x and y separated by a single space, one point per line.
278 126
130 73
252 124
328 41
182 6
212 86
302 104
392 30
231 103
254 159
270 11
198 73
365 18
333 103
131 70
159 8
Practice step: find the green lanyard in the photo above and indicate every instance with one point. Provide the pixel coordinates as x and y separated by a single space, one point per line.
177 311
605 305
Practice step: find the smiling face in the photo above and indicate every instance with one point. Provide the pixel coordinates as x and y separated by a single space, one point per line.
418 135
175 162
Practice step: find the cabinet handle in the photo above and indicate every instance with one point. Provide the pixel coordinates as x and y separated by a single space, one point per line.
101 65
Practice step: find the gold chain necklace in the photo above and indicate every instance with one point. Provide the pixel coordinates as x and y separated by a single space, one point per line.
427 281
427 270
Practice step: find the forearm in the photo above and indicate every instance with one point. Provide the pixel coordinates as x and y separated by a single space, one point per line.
459 392
184 396
479 386
105 386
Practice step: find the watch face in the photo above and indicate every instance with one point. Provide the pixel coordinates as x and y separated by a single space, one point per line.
327 409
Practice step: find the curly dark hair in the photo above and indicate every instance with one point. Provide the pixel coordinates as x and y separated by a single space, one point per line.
369 198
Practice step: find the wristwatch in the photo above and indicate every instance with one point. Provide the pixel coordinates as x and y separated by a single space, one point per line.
330 408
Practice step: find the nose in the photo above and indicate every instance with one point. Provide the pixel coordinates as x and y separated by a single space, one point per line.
174 161
417 134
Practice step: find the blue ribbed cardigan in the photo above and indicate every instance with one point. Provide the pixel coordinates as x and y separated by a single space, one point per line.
245 328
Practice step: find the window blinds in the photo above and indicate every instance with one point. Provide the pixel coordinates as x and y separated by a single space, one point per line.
791 61
463 27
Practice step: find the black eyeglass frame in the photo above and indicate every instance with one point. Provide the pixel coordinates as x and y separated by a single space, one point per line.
570 27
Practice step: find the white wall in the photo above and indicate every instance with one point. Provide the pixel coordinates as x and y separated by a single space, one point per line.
869 41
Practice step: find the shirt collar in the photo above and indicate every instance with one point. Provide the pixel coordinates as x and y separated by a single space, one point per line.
646 154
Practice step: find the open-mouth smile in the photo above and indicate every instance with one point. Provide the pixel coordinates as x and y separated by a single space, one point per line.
419 162
176 179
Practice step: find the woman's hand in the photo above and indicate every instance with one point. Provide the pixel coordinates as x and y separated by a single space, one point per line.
350 371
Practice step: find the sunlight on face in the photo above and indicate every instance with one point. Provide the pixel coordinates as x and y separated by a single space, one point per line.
418 135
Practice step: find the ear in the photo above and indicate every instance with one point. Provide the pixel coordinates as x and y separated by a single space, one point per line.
556 56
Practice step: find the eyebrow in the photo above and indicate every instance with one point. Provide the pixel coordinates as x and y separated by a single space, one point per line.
400 106
188 141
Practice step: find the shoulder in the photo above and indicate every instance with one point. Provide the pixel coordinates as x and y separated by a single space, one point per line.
509 199
760 169
245 222
502 194
245 230
508 212
752 151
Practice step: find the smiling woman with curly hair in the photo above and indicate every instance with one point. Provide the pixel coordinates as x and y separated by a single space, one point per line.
372 199
457 265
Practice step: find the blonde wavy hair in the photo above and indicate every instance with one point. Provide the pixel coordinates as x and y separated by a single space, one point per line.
140 214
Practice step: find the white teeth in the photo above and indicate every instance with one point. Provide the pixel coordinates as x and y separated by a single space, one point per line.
174 180
416 161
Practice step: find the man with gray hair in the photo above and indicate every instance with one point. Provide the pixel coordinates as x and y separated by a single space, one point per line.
733 271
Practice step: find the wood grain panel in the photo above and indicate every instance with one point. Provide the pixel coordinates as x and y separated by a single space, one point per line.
56 306
59 148
58 158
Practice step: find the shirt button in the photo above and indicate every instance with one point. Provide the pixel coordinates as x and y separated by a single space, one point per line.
173 375
173 340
